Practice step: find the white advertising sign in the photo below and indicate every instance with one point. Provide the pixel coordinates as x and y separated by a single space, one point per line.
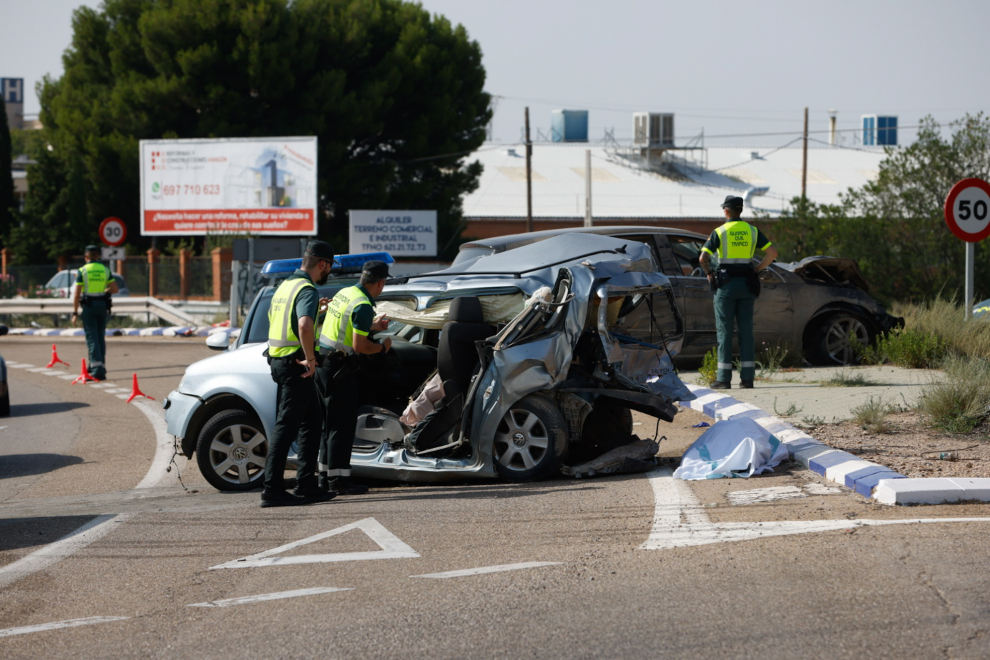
400 233
257 186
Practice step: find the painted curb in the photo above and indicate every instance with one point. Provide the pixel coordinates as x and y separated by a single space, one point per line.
866 478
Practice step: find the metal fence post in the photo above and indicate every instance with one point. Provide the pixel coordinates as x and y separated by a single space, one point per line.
184 257
153 255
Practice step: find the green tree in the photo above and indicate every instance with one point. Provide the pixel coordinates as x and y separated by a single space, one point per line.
394 95
895 225
7 201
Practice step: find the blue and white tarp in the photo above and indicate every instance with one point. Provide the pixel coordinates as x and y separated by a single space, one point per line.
731 448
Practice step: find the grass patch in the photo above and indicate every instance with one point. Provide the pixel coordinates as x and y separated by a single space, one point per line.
945 318
960 401
791 410
872 415
909 348
845 379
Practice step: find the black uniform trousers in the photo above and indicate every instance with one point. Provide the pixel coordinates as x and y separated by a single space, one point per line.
297 418
340 407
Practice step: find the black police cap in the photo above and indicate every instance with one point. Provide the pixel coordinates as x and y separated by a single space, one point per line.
320 250
375 269
733 202
92 248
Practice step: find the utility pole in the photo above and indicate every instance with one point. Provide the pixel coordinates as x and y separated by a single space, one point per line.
587 188
529 177
804 163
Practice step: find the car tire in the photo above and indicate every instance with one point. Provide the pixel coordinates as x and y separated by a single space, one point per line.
5 405
530 439
231 451
832 341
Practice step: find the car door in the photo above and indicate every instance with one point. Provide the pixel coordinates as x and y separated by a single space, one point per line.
773 314
679 256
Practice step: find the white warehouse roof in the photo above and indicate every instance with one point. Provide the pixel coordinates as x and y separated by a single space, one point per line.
622 190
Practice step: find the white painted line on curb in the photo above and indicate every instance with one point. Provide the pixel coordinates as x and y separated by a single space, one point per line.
71 623
391 548
680 521
51 554
244 600
488 569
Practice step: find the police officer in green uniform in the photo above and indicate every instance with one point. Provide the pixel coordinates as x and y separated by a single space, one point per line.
94 285
736 283
293 360
346 334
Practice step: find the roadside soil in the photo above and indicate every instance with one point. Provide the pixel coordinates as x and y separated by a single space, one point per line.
911 448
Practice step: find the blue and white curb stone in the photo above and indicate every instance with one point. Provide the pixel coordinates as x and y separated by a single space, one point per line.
868 479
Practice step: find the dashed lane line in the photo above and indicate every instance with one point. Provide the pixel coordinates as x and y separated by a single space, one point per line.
71 623
244 600
488 569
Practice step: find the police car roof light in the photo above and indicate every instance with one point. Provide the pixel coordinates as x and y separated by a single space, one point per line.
344 263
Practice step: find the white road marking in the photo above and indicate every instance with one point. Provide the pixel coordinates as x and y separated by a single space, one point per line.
39 370
124 396
68 377
71 623
227 602
48 372
103 385
19 365
163 446
391 548
815 488
680 521
488 569
765 495
41 559
117 390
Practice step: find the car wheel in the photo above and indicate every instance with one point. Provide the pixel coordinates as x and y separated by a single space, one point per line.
529 439
5 405
834 341
231 451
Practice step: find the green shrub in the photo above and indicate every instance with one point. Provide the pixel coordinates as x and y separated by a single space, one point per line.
872 415
709 368
945 318
845 379
908 348
960 401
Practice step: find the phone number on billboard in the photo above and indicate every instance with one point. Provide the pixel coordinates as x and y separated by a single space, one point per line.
191 189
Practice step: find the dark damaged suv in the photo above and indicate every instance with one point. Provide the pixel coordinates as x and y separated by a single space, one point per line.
820 305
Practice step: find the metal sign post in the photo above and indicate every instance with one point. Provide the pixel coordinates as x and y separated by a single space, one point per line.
967 213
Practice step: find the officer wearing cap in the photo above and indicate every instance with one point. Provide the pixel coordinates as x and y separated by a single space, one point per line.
736 283
293 359
346 334
94 286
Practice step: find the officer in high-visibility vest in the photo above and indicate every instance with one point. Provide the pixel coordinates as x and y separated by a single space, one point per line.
292 357
94 286
346 334
736 283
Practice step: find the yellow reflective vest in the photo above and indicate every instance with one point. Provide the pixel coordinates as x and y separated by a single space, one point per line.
736 242
94 279
338 326
282 339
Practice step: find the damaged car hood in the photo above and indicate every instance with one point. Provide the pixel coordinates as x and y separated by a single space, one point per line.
832 270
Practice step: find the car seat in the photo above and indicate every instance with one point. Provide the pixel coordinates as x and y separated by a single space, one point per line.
457 357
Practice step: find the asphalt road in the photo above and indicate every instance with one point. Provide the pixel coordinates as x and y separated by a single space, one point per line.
618 567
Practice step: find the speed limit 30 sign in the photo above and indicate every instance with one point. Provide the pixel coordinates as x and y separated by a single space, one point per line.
113 231
967 210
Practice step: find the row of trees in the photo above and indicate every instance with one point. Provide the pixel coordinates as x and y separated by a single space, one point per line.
895 226
394 95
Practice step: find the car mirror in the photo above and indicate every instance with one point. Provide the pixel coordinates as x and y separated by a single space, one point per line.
218 341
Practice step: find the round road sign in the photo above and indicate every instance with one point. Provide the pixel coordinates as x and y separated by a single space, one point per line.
967 210
113 231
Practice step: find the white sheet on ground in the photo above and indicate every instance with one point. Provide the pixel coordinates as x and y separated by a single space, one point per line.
731 448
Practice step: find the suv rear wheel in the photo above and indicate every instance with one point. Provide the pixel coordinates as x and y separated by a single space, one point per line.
529 439
231 451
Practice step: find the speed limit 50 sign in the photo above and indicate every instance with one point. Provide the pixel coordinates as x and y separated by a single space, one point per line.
113 231
967 210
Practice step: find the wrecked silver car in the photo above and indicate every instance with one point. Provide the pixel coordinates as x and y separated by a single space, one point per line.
819 307
540 353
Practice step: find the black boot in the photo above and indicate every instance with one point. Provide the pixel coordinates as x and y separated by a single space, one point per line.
344 486
280 498
312 493
719 385
747 384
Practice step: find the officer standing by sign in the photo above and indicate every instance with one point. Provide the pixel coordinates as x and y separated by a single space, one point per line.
293 360
345 335
94 285
737 284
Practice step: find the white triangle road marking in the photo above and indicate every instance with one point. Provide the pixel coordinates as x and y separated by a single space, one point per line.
71 623
391 548
488 569
244 600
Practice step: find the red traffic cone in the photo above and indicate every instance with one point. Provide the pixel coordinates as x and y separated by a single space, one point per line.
84 377
56 359
136 391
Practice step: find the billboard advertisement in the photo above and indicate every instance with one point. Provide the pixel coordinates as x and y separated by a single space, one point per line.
400 233
257 186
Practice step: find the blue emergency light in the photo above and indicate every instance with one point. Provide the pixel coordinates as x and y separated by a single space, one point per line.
344 263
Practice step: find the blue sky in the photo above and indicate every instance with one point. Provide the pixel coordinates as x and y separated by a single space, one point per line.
728 68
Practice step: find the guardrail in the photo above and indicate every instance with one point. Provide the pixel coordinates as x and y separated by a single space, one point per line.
121 304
